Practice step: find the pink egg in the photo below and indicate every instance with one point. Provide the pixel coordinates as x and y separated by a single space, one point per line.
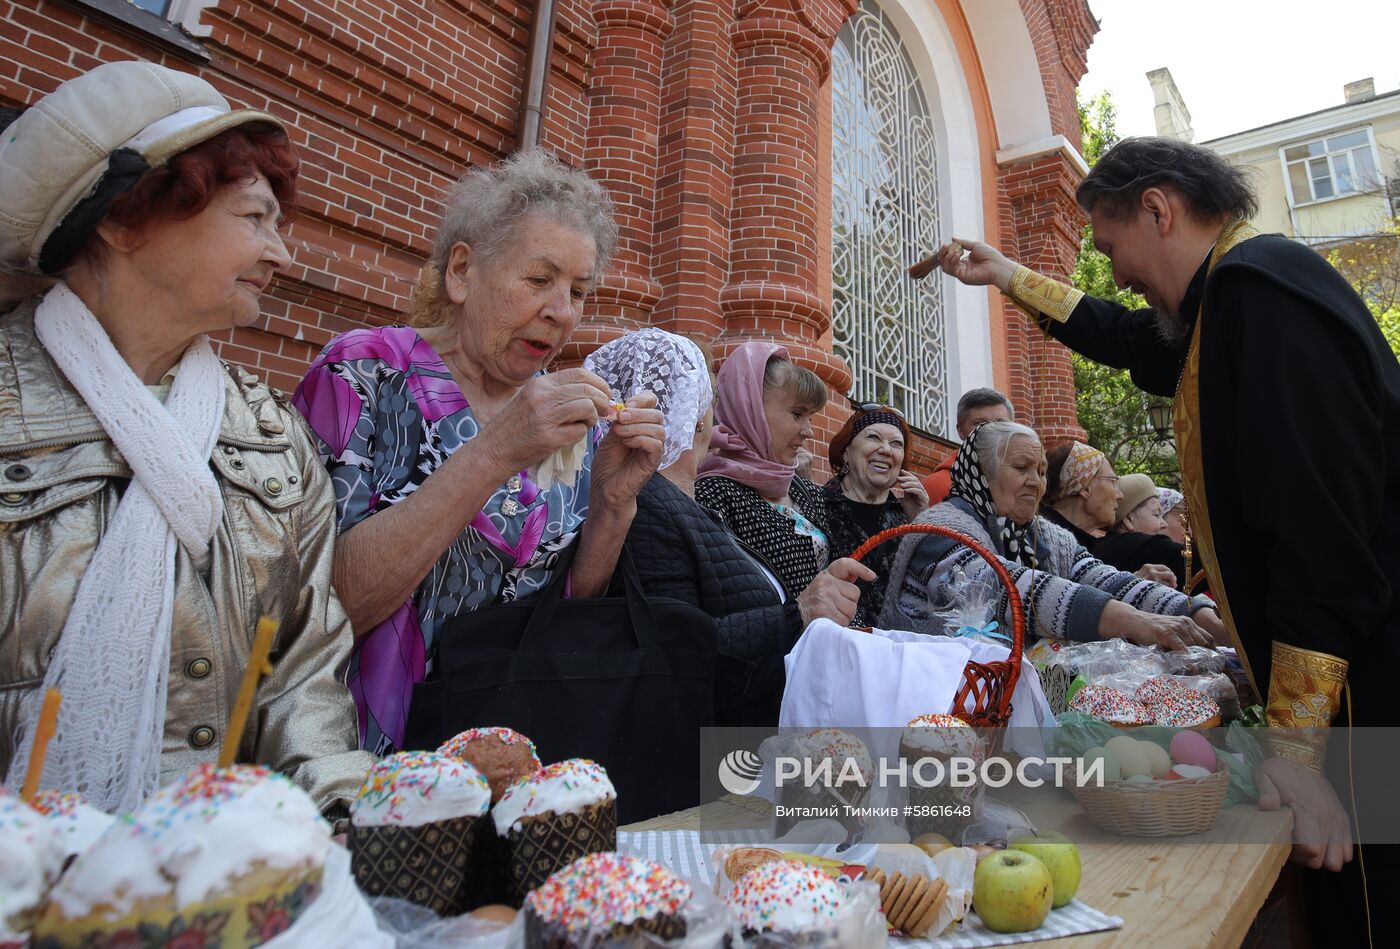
1190 747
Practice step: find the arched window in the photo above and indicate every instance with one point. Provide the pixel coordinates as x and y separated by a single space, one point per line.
884 216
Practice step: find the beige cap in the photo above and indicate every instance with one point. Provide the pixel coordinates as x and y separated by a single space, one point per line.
1136 489
56 155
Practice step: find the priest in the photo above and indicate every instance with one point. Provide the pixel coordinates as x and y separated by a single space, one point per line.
1287 399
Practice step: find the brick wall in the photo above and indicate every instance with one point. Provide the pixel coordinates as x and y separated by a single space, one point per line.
705 119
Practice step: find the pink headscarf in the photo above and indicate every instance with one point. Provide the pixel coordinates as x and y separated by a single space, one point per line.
741 446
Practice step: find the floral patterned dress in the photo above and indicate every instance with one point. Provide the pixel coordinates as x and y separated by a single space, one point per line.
386 414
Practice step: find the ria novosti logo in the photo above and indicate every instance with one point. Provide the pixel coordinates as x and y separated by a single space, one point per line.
739 772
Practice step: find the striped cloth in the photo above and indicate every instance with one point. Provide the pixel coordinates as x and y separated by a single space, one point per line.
686 852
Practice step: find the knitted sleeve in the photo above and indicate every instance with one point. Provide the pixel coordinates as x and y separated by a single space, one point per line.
1145 595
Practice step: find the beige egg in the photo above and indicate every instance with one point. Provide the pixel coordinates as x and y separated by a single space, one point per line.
1157 758
932 843
494 912
1131 756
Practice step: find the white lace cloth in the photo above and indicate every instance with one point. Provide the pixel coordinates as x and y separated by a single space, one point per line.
113 657
672 367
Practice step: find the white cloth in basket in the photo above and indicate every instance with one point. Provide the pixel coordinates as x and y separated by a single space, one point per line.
843 678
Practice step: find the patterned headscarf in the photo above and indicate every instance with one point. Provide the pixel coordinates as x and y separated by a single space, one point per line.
859 420
1168 498
741 443
670 366
1080 467
970 482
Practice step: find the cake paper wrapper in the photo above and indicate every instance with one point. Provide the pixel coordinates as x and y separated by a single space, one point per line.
434 865
550 842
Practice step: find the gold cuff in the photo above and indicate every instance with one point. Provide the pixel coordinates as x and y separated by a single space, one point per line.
1037 294
1305 693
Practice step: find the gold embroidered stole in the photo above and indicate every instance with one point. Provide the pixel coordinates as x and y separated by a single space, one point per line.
1186 422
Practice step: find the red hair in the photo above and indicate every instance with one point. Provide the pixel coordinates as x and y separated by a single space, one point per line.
185 185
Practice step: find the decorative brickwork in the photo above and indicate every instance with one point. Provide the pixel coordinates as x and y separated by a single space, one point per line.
703 117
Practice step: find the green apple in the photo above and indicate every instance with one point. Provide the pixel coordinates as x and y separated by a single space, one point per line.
1061 858
1012 891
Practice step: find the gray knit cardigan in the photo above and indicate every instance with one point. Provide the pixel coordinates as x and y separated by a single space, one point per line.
1066 595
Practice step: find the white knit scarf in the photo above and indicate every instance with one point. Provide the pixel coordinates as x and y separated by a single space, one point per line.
113 657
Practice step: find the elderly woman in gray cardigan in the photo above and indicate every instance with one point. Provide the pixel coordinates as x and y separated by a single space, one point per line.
997 487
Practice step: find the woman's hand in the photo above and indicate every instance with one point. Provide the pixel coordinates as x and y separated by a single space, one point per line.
1209 620
1157 573
910 490
1168 632
982 264
549 412
628 455
833 594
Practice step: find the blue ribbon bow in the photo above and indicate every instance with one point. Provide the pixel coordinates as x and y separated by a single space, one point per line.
989 631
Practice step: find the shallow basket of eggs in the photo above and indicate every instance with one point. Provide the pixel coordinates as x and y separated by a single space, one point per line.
1168 807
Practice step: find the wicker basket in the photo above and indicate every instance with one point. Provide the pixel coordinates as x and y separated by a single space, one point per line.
989 685
1154 808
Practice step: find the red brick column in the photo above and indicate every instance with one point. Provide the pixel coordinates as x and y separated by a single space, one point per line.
624 102
783 52
1039 196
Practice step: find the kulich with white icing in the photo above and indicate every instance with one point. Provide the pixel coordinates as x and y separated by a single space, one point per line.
564 788
78 823
942 735
784 896
193 837
602 890
414 788
839 746
31 856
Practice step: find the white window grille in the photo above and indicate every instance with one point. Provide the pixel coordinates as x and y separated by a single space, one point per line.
884 215
1331 167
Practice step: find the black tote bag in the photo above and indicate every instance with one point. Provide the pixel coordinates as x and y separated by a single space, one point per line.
627 681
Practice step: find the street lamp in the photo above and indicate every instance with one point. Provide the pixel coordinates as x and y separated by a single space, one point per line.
1159 414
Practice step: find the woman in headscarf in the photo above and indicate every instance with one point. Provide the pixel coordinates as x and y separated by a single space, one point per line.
998 481
155 502
682 551
765 406
1081 492
870 492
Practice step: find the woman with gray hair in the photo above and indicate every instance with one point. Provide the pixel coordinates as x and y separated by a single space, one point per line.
998 482
462 470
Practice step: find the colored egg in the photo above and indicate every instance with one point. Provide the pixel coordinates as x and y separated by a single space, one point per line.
494 912
1132 757
1187 771
1157 758
1192 748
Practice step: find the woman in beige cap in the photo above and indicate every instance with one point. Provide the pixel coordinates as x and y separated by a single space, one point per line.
1138 537
154 502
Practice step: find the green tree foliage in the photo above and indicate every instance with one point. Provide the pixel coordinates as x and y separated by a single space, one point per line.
1112 410
1372 266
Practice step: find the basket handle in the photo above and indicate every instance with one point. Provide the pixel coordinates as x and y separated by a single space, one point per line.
1018 610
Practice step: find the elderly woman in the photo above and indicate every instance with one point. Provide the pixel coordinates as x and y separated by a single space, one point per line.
869 493
1081 492
1173 507
682 551
1137 539
154 503
998 481
444 442
764 416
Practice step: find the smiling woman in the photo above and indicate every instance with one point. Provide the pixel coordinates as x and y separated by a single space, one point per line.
435 434
124 533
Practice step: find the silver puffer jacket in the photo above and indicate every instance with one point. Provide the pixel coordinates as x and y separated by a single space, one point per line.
61 479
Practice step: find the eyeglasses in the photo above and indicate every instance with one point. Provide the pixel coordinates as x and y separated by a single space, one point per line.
879 407
1112 479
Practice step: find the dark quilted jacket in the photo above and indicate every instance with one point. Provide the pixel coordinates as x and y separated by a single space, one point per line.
683 551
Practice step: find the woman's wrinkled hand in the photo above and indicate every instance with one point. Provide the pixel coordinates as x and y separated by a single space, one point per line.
975 263
1321 830
1167 632
1209 620
909 490
549 412
833 594
628 455
1157 573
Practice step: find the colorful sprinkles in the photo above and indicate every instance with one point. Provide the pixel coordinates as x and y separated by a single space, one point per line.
833 743
397 783
1110 705
456 746
943 733
786 897
602 890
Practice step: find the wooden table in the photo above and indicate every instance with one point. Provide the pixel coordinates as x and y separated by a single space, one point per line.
1202 890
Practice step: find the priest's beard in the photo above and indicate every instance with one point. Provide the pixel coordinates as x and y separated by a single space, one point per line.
1172 327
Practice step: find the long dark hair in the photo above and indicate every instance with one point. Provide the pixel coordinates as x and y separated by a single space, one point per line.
1211 186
